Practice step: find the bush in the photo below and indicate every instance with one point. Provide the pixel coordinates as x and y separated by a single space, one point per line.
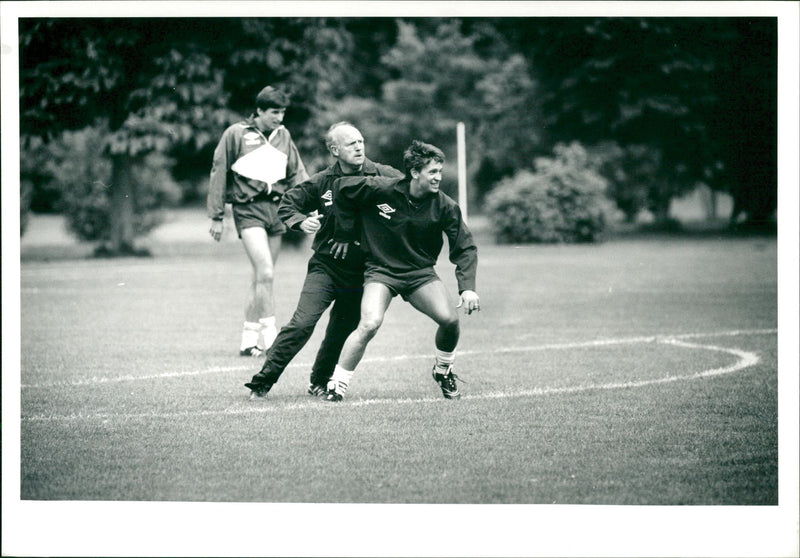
83 177
42 194
563 200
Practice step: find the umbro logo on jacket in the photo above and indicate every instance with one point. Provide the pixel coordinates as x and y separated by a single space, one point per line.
385 210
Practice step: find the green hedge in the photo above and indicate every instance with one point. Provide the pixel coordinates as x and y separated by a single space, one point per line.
563 200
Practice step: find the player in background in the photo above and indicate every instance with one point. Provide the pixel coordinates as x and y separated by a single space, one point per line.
255 162
308 207
401 222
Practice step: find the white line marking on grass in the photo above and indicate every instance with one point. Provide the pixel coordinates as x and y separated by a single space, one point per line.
746 359
96 380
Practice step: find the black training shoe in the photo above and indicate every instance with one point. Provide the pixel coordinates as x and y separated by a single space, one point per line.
317 390
335 391
252 352
258 386
447 382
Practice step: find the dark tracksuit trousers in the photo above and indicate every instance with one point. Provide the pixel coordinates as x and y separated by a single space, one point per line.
326 283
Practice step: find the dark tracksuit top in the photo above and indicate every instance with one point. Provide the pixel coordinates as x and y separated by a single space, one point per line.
316 194
399 236
327 280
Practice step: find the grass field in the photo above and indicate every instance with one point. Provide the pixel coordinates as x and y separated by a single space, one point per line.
634 372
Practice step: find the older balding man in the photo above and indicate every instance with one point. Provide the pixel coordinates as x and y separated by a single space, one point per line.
308 207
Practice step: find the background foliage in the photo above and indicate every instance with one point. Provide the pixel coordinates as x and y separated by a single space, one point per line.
659 105
85 179
563 200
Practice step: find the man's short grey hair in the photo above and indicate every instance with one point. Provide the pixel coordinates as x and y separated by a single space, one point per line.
329 141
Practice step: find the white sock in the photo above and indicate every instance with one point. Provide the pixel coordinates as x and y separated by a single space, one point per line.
268 332
267 322
250 334
340 379
444 360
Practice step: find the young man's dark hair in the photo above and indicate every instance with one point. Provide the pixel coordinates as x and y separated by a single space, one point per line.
420 154
272 97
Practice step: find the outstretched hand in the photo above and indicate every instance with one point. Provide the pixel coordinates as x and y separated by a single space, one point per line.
216 230
470 301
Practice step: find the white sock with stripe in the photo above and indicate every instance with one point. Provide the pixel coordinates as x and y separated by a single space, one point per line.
444 360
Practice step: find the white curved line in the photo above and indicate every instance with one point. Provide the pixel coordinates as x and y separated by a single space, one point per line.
97 380
746 359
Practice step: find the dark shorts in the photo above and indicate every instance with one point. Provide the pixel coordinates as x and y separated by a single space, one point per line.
402 283
348 277
260 213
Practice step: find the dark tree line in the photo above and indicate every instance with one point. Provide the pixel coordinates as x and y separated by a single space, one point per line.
665 103
702 92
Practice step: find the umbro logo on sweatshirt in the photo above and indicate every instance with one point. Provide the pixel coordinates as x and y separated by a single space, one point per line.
385 210
252 138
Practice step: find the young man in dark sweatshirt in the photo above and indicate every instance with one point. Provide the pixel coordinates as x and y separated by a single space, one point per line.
308 207
400 222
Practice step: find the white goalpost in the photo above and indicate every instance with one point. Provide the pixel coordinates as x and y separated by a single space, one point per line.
462 169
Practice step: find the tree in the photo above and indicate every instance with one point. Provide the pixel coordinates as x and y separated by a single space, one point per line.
83 180
438 73
744 124
147 81
161 87
682 87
